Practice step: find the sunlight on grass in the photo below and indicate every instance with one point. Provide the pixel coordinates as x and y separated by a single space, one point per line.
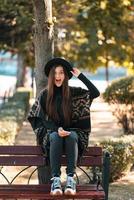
123 188
122 191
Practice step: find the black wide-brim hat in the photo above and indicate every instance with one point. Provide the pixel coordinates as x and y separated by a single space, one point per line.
58 61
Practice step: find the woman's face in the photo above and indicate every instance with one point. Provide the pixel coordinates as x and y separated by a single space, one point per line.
59 76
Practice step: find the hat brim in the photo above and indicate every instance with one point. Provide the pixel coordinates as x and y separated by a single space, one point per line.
58 61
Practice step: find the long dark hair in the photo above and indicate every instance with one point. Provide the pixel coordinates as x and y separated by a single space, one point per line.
66 101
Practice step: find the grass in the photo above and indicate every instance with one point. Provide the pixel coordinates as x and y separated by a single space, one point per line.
121 192
123 189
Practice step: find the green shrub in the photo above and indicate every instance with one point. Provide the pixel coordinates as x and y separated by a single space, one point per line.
12 115
122 155
120 95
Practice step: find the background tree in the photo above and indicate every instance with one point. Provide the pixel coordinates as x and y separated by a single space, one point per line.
107 27
15 32
129 62
90 34
67 29
96 32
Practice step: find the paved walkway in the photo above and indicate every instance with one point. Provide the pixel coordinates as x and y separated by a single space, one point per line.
104 124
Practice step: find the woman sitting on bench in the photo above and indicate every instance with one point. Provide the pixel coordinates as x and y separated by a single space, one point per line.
60 118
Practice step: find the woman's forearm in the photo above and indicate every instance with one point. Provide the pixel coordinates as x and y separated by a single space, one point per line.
94 92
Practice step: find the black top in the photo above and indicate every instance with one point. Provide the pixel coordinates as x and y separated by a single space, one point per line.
80 114
94 92
58 100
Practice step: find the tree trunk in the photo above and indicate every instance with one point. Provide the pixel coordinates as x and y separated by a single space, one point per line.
20 71
43 41
107 72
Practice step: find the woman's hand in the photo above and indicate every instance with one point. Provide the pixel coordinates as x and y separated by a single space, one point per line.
63 133
76 72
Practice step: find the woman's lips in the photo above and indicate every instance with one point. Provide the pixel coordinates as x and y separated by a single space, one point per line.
58 81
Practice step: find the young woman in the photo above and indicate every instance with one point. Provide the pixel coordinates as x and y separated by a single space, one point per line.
60 118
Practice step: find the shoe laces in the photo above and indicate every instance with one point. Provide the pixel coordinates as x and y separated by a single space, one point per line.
56 182
70 182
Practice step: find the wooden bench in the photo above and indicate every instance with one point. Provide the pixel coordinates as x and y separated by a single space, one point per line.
96 188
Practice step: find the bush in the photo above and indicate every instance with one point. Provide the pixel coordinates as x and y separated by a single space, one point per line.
12 115
120 95
122 155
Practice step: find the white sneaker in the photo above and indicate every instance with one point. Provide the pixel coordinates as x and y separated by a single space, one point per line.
56 188
70 188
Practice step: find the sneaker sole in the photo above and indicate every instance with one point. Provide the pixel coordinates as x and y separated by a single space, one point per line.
57 192
69 192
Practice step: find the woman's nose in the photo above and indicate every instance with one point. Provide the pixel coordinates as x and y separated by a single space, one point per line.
57 75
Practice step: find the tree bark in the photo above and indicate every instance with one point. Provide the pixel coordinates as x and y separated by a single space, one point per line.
20 71
43 42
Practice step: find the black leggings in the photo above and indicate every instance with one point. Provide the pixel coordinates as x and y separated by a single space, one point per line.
60 145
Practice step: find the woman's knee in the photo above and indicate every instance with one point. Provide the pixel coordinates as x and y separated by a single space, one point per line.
72 136
54 137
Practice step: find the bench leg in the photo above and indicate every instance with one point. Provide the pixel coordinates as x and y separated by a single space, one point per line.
106 173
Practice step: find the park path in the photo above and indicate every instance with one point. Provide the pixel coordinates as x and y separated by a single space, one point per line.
104 124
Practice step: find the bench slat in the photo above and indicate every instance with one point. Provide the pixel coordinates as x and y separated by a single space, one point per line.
20 150
91 161
43 192
80 195
46 187
94 151
22 160
36 150
40 160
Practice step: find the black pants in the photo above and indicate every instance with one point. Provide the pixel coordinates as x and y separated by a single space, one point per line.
60 145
